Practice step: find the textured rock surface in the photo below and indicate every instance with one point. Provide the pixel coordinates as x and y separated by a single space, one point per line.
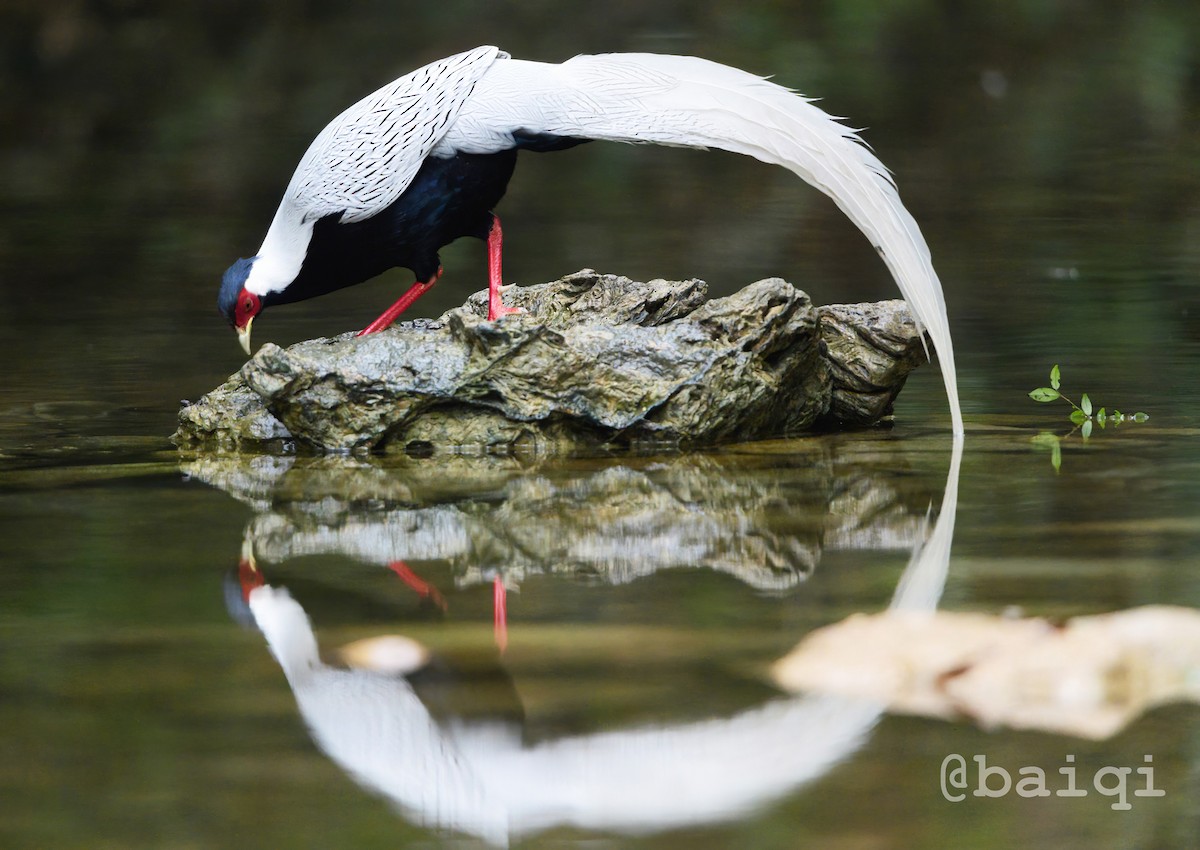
596 360
870 349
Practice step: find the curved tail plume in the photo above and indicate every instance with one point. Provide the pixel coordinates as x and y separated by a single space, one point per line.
689 102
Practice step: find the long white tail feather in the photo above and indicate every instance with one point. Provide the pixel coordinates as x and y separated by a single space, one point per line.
689 102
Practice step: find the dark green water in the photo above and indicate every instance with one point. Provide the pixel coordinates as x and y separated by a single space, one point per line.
1049 151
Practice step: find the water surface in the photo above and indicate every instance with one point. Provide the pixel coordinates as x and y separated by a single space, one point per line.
1050 158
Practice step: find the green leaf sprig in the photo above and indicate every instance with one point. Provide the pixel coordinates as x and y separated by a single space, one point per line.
1081 414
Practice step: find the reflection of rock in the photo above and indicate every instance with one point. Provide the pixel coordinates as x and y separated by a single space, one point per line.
1088 678
596 360
762 517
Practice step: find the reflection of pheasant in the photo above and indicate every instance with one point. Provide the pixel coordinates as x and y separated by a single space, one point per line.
250 578
427 591
478 776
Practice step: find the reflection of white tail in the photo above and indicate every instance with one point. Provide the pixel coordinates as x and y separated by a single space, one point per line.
482 780
690 102
924 578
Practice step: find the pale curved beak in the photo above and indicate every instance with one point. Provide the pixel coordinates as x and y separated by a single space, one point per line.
244 336
248 554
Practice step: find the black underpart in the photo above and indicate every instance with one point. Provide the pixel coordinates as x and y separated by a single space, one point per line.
448 199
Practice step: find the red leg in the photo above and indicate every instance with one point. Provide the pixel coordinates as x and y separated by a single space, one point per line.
495 243
403 303
422 587
500 613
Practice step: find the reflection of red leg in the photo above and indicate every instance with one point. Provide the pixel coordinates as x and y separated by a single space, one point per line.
402 303
249 576
423 588
500 613
495 243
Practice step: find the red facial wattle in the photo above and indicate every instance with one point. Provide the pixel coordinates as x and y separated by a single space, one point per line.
247 307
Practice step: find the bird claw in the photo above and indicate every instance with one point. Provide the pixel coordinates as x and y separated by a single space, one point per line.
498 311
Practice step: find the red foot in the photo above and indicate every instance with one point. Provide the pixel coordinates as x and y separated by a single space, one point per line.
405 301
500 614
495 243
423 588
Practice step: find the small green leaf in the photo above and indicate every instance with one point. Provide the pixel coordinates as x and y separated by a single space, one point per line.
1055 375
1056 457
1087 430
1140 417
1044 394
1085 404
1100 416
1078 417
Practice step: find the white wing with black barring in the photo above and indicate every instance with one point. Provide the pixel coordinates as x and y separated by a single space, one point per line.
367 156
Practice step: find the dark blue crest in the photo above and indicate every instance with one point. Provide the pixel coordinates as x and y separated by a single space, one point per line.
231 284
